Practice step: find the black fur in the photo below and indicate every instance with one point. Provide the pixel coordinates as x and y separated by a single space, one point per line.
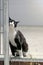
10 20
19 40
13 48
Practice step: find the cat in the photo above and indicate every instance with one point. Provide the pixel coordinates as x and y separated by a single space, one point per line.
17 41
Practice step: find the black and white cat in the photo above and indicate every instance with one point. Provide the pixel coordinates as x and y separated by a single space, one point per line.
17 41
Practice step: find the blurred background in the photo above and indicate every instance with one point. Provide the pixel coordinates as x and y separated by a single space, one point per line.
30 15
28 12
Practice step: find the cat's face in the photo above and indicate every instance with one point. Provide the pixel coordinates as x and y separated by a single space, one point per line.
13 22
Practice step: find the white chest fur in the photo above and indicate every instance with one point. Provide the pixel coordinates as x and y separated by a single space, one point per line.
12 33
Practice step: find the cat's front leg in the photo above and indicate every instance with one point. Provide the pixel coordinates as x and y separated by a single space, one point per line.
19 53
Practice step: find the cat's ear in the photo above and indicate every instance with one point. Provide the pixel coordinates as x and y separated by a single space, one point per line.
10 20
16 23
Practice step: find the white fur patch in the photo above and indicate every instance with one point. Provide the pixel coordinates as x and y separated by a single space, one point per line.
20 53
12 33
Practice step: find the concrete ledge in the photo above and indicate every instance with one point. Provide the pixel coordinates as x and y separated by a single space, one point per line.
12 58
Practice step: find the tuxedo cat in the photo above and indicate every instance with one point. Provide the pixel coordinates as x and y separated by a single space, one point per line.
17 41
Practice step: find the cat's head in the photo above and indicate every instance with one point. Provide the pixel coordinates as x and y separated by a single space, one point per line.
13 22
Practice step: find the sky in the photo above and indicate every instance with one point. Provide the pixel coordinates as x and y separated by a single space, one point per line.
28 12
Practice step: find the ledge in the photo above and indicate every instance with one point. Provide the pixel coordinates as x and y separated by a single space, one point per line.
1 57
26 59
12 58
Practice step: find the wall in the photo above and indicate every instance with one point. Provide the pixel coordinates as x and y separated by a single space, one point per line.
28 12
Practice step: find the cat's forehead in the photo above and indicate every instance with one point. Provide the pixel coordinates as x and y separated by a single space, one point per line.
11 22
